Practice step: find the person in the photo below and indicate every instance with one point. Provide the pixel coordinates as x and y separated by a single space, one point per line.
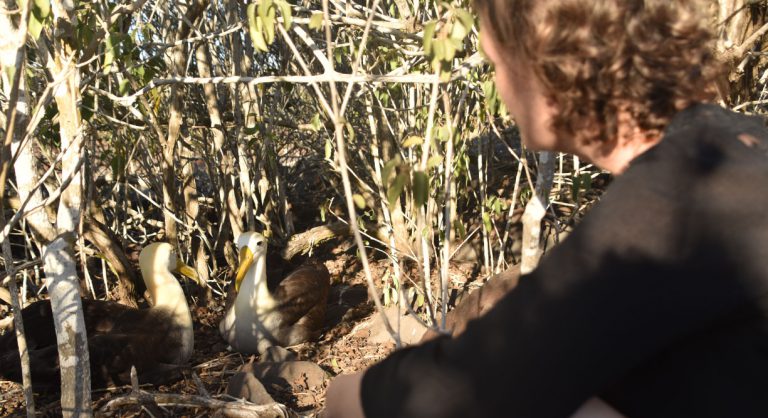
656 305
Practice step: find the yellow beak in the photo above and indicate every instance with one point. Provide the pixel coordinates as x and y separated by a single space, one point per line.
187 271
246 259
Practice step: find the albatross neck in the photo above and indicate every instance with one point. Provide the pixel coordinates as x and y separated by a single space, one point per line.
167 293
254 289
168 296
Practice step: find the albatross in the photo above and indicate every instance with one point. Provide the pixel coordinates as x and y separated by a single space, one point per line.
294 312
156 340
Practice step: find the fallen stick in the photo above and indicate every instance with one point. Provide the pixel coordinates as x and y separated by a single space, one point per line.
218 407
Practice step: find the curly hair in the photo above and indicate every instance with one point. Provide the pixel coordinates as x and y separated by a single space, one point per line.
651 58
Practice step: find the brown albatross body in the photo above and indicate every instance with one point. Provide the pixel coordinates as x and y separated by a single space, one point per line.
294 312
156 340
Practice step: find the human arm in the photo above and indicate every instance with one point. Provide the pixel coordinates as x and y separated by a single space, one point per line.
343 401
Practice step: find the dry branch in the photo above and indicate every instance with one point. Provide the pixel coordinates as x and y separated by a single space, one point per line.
109 247
17 268
328 77
304 242
740 52
215 406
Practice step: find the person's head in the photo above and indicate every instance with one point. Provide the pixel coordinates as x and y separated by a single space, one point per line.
596 64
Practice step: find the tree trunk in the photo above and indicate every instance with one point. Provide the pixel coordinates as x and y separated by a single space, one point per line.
58 256
12 56
219 141
534 213
177 66
242 105
194 216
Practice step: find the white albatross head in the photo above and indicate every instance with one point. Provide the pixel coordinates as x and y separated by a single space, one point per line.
252 246
157 261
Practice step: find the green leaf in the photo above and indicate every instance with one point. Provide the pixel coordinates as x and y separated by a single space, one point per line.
575 188
337 55
434 161
438 47
255 26
269 26
269 31
286 12
525 195
466 18
35 26
487 222
250 131
450 49
429 33
393 193
118 165
257 36
264 6
109 54
328 149
458 31
420 187
389 166
85 32
350 131
461 231
582 182
139 72
443 133
315 123
316 21
123 87
491 96
457 44
445 74
359 201
250 12
41 8
412 141
496 207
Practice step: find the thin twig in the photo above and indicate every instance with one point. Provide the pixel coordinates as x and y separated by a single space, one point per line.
341 155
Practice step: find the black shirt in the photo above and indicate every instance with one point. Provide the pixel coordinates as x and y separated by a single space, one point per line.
657 302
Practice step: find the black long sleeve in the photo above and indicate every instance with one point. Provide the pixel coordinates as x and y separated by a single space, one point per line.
657 301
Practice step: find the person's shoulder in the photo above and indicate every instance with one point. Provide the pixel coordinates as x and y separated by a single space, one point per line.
710 121
704 141
710 136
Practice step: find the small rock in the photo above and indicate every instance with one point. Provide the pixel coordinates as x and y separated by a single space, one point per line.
277 354
479 302
290 373
410 329
244 385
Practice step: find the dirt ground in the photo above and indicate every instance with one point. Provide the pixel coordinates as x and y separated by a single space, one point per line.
346 346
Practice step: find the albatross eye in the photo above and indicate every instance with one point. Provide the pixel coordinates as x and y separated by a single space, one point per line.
258 243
